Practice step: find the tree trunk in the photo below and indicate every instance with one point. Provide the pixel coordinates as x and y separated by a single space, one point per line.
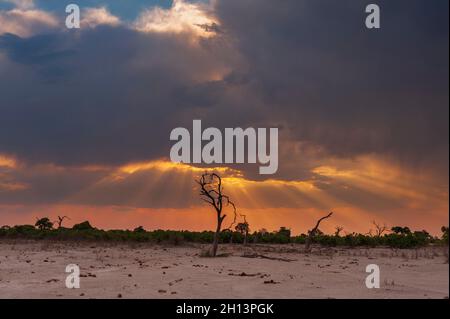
245 238
216 236
309 241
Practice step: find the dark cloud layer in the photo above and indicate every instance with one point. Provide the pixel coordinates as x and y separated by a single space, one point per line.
345 88
112 95
103 96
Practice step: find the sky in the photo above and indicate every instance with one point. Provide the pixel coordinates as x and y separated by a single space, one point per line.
85 115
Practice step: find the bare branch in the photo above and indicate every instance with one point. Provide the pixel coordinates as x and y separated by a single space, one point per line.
380 229
313 232
338 230
60 220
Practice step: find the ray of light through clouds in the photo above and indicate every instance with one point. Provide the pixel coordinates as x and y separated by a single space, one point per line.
90 138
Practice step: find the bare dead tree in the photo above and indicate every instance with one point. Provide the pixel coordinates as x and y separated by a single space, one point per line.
369 233
60 220
338 230
211 192
379 229
313 232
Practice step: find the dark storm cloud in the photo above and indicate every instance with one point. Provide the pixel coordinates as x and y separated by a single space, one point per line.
102 96
346 88
112 95
43 184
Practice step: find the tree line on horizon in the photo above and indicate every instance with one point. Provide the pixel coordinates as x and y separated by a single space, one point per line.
211 191
396 237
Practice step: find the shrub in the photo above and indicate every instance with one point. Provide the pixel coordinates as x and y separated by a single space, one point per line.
83 226
139 229
44 223
401 230
444 234
401 238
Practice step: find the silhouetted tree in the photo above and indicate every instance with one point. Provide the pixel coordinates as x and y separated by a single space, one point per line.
312 232
379 229
83 226
284 231
338 231
211 191
60 220
243 228
401 230
44 223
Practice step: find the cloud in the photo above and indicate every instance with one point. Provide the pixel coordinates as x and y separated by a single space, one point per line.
25 23
337 91
92 17
344 89
366 183
131 91
8 162
22 4
181 17
333 86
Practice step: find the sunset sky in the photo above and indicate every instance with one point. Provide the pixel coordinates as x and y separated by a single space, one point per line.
85 115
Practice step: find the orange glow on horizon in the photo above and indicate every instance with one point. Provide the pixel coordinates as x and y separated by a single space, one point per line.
203 218
124 197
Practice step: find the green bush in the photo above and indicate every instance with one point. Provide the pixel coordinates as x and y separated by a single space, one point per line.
402 237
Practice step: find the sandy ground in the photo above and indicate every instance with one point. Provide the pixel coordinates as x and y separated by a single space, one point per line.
37 270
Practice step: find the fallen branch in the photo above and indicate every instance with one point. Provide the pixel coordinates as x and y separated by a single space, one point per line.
255 255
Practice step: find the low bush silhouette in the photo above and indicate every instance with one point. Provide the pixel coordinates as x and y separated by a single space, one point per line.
83 226
139 229
444 231
44 223
403 237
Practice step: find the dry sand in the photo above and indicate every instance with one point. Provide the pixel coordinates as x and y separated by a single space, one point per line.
30 269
